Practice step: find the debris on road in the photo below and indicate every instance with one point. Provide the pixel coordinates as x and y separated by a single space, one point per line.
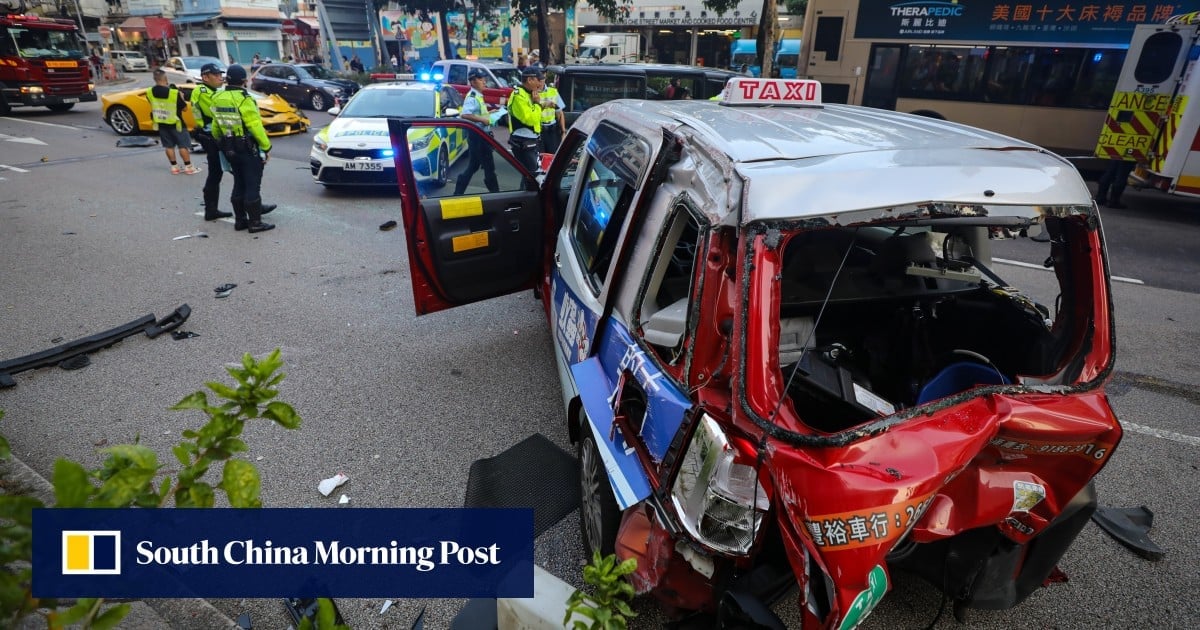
390 225
196 235
328 485
1130 527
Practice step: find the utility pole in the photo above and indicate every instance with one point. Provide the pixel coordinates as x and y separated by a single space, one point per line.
82 30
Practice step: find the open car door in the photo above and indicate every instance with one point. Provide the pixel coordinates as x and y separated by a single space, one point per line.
471 234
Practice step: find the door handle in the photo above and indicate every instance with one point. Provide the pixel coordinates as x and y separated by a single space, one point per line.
513 208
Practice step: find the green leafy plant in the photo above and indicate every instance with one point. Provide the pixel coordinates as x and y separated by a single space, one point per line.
130 477
607 608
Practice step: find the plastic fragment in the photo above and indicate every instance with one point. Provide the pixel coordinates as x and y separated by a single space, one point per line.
328 485
387 603
343 500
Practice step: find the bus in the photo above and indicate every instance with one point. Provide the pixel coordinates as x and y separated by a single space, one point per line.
1043 72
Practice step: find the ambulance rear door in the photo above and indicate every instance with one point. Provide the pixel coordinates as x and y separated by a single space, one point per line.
1176 159
1152 70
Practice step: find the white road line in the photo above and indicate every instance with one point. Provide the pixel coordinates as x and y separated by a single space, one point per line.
1190 440
1018 263
38 122
13 168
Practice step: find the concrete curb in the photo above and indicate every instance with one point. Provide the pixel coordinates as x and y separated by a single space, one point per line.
181 614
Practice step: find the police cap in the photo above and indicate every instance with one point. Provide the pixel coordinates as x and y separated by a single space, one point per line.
477 73
235 74
532 70
211 68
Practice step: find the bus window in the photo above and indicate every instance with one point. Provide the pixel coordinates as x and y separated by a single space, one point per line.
942 72
1158 57
1052 77
828 38
1098 78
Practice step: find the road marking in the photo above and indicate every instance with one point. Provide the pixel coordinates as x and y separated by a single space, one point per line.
1190 440
13 168
8 138
1018 263
38 122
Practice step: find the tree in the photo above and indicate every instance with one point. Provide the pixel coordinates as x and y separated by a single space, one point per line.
534 10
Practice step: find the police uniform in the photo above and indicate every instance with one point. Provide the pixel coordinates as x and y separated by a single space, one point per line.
238 130
525 121
202 98
478 148
551 127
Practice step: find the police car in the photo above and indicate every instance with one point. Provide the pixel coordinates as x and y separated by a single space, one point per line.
355 148
787 349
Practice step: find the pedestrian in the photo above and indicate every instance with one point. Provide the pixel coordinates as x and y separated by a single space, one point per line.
525 118
393 62
475 109
521 63
212 78
672 86
166 111
239 133
554 125
1112 183
256 60
356 64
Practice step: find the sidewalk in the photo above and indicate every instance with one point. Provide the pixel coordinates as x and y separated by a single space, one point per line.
150 614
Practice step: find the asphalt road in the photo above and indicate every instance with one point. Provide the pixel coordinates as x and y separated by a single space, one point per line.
403 404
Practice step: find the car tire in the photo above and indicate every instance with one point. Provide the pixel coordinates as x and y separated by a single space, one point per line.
60 107
443 172
122 120
316 102
599 515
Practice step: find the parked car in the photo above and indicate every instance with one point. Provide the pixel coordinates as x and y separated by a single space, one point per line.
587 85
184 70
128 113
786 350
355 148
502 77
129 60
308 85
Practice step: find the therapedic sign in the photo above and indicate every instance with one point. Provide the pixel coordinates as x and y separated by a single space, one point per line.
283 553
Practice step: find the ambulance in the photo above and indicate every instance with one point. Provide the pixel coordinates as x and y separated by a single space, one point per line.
788 356
1149 120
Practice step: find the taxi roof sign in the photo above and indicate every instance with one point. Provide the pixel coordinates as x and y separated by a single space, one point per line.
754 91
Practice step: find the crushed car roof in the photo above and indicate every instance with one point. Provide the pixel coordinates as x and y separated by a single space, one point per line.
800 162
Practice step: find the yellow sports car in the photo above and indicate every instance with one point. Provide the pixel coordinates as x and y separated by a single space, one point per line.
128 113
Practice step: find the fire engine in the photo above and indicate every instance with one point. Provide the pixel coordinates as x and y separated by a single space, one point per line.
42 63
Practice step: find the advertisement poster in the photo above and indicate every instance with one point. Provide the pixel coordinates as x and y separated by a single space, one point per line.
418 32
492 36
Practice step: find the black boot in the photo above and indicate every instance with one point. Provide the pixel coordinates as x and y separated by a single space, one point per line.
211 205
254 210
267 208
239 214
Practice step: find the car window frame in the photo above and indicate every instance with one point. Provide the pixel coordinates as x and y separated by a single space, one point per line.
682 207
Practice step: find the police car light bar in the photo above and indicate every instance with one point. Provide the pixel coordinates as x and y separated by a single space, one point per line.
789 92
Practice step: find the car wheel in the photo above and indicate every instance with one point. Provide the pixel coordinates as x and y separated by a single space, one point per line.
443 172
122 120
316 101
599 515
60 107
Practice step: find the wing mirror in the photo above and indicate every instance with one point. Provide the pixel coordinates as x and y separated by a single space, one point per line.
335 110
450 111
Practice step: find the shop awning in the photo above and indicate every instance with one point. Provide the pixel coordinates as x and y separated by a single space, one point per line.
194 18
311 21
133 24
159 28
272 26
300 26
239 13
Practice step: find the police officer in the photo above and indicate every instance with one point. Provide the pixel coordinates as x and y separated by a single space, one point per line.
213 78
525 118
238 130
553 123
475 110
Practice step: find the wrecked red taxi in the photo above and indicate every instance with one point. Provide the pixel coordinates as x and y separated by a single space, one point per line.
787 350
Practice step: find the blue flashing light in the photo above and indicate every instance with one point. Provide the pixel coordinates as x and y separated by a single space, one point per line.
425 76
1097 57
439 76
388 153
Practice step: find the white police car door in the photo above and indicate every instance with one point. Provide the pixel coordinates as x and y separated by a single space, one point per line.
489 240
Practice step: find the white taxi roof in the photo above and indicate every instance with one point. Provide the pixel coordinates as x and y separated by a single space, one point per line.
798 162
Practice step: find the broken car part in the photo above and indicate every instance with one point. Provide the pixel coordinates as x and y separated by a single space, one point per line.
170 322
